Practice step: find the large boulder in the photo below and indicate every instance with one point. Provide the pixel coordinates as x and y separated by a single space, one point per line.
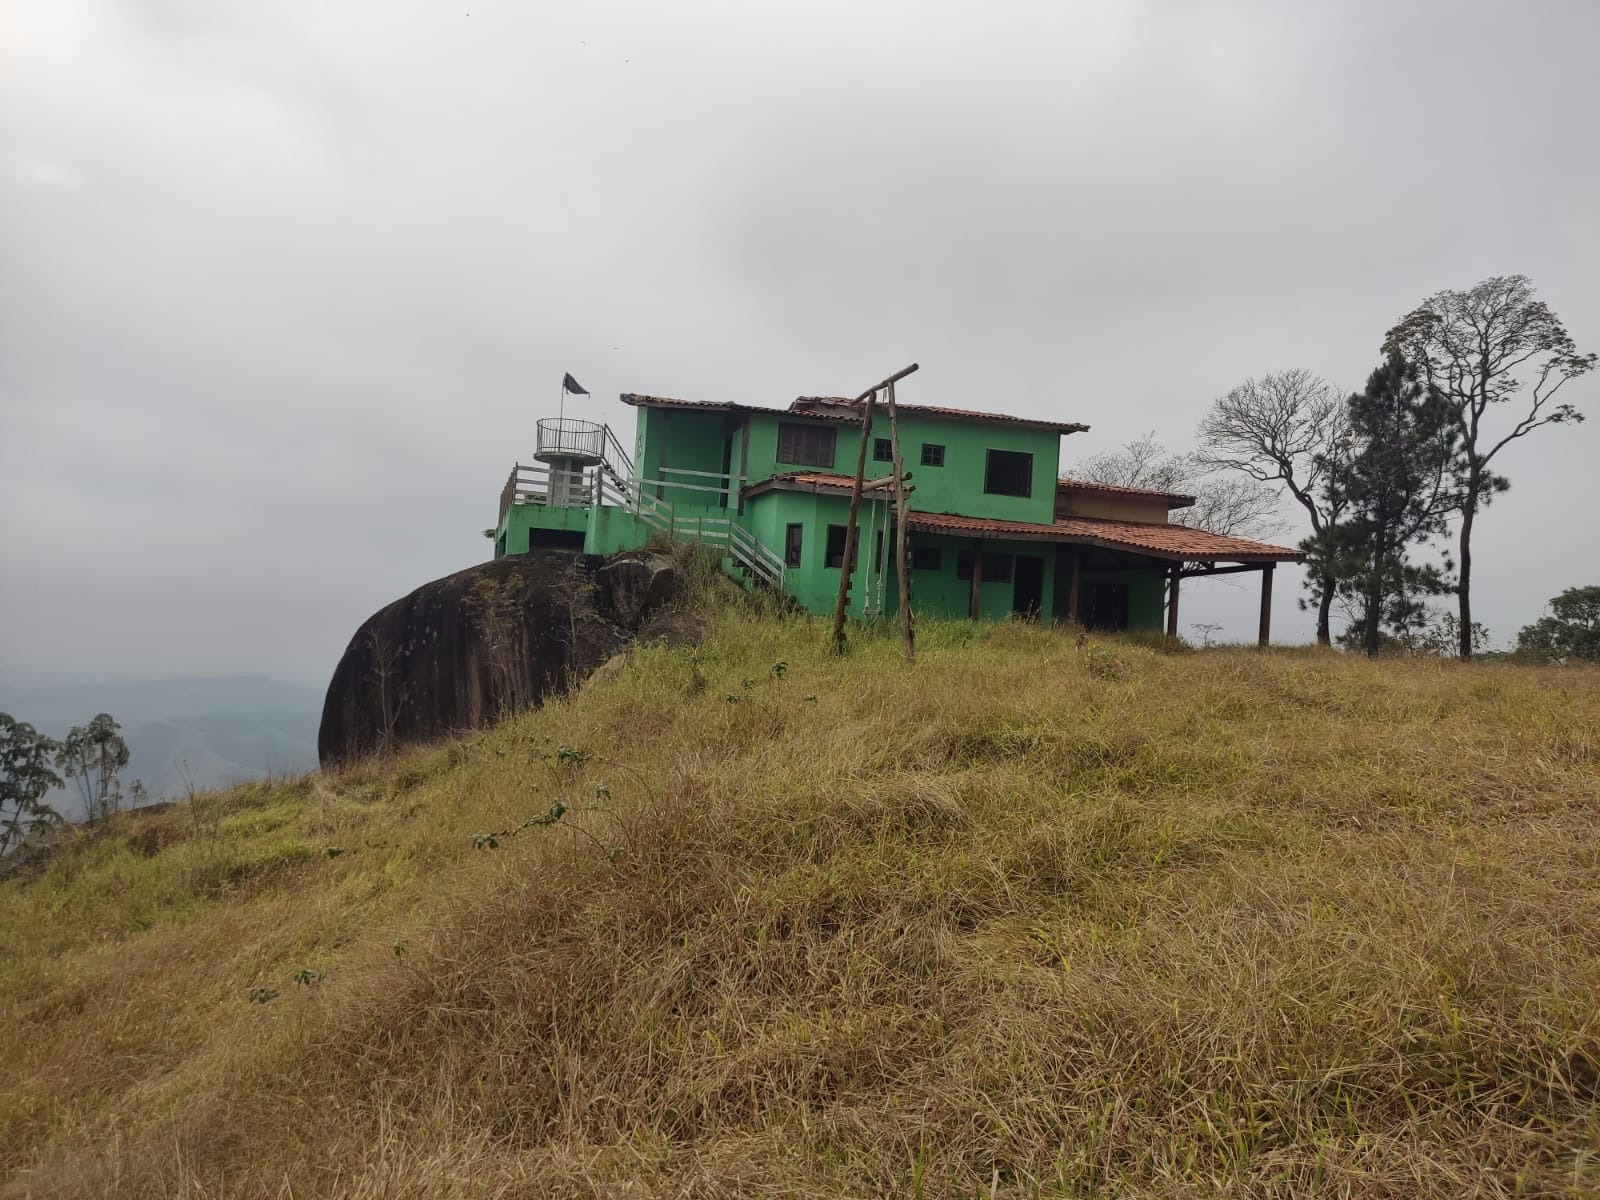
634 587
463 651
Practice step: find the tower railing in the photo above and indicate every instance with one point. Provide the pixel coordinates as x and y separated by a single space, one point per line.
570 437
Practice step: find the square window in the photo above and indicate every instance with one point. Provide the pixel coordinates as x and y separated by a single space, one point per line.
927 558
1008 473
932 455
882 450
996 567
835 552
805 445
793 536
964 564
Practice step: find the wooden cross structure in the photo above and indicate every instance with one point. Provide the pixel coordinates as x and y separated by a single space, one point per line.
898 480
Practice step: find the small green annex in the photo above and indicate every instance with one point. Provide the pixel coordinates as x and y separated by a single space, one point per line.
993 529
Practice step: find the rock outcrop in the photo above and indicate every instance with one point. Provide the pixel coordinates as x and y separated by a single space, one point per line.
465 650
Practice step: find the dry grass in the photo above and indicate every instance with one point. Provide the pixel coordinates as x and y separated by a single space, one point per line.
1014 922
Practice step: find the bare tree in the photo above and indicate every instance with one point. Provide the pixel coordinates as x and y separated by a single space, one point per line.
1235 507
385 673
1490 346
1288 428
495 611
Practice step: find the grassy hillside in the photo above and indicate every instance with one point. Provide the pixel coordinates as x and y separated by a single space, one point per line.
1017 921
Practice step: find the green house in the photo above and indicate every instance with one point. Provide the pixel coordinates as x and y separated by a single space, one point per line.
993 529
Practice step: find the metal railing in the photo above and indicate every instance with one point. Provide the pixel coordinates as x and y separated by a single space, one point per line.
572 437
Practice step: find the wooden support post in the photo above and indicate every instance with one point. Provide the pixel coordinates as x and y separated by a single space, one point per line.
975 602
1266 603
1073 588
902 508
1172 600
744 465
848 566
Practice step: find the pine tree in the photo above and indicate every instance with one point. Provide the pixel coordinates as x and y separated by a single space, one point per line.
1397 488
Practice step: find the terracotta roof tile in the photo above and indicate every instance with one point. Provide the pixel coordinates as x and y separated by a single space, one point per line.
639 401
845 409
1177 542
1173 499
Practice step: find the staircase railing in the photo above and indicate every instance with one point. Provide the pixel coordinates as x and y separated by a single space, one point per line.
742 546
602 485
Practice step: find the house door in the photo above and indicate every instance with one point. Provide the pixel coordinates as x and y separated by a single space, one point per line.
1027 594
1105 605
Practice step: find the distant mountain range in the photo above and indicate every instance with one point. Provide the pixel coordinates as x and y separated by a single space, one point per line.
225 729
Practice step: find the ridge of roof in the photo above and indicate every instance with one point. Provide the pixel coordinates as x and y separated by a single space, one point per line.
808 405
839 408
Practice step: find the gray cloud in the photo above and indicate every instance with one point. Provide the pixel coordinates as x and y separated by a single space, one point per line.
282 290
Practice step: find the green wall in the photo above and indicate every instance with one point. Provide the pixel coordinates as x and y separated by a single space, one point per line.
957 487
812 583
688 440
520 519
694 440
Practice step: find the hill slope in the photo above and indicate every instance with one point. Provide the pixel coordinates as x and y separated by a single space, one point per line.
1018 921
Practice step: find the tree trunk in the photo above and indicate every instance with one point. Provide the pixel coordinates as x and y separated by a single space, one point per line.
1464 589
1324 606
1373 615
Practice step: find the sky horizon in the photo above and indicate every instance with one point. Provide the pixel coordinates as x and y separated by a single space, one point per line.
283 288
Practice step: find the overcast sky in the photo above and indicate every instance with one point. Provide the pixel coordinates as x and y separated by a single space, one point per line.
283 287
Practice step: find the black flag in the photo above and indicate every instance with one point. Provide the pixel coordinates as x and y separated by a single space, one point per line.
569 384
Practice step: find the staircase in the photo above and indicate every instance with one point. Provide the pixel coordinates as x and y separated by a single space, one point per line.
747 553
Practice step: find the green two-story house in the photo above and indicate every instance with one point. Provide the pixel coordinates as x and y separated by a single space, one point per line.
993 529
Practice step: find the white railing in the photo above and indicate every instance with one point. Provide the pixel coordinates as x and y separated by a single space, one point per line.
743 547
551 487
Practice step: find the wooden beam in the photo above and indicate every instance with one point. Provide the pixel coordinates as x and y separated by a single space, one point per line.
1266 603
887 383
1172 602
886 481
847 568
908 637
1200 572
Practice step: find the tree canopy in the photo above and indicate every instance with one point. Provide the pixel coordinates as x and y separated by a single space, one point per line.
1491 347
1570 632
25 780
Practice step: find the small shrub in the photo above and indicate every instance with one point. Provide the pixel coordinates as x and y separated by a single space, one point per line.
1103 664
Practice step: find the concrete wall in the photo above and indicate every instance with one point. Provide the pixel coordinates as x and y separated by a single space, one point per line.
955 487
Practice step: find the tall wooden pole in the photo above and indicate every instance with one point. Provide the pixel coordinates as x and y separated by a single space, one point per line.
975 593
1172 601
1266 603
848 566
901 510
1072 589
